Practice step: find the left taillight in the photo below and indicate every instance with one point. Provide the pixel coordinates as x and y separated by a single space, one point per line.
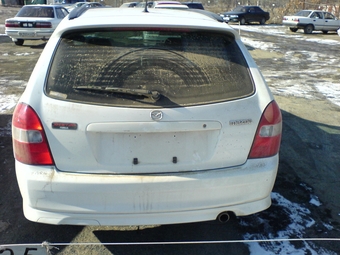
30 144
268 134
11 23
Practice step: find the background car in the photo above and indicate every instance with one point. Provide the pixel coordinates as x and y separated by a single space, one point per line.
34 22
246 14
172 6
158 3
76 5
312 20
142 4
142 118
93 5
194 5
212 15
129 5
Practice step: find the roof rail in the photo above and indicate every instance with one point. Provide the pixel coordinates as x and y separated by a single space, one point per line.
77 12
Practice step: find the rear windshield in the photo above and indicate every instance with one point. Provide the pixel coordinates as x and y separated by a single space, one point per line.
148 68
240 8
36 11
195 6
303 13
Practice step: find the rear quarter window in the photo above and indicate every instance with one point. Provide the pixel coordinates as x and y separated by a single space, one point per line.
148 68
61 13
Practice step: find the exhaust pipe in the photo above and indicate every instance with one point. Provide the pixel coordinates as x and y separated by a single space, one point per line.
223 217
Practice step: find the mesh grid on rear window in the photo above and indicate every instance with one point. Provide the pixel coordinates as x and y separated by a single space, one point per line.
148 68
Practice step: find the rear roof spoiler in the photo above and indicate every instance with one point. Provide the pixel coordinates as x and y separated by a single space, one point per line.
77 12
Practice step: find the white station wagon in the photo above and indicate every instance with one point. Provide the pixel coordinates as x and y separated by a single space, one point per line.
138 117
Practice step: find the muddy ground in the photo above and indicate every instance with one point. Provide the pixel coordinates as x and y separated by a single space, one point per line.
309 167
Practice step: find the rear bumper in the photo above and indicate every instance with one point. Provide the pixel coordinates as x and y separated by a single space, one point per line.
54 197
292 24
34 35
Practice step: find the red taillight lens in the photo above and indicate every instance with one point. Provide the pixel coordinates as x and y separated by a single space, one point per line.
12 24
268 135
30 145
43 25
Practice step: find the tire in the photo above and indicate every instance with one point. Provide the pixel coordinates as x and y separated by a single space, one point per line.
242 21
308 29
262 21
19 42
324 31
293 29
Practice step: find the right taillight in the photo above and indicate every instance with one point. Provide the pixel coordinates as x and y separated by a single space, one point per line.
43 25
268 134
30 145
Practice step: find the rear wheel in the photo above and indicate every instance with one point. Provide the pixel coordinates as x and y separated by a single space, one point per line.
19 42
293 29
242 21
262 21
308 29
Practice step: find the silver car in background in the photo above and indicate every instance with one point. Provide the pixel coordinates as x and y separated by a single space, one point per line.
34 22
312 20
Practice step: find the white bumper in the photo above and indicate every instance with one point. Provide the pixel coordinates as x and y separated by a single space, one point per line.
292 24
33 35
55 197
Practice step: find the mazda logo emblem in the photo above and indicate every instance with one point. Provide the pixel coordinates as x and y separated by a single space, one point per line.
156 115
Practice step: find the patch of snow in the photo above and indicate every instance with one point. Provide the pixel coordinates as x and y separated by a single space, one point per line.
314 200
7 103
297 219
8 100
258 44
303 84
304 185
23 53
328 226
